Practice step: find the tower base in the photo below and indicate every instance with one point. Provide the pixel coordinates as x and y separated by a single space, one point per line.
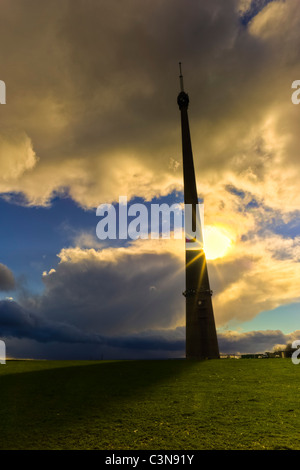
201 336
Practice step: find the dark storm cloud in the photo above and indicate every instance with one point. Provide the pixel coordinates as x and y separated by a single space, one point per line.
7 280
126 301
116 296
252 341
18 323
161 340
94 86
114 291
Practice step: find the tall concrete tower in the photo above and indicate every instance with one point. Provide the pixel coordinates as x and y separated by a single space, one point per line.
201 336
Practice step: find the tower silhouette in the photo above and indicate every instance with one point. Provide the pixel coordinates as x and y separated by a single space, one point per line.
201 336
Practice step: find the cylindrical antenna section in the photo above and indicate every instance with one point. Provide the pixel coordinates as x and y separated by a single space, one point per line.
181 78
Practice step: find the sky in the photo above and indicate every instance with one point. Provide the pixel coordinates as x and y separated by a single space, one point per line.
91 115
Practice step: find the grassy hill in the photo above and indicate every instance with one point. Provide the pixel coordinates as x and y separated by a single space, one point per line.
166 405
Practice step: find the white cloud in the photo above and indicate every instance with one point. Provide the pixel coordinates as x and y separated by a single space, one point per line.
277 21
16 157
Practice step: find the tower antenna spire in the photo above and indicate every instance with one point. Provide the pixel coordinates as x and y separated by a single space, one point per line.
181 77
201 335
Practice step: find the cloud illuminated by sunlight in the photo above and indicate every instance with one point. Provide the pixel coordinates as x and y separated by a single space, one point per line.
217 243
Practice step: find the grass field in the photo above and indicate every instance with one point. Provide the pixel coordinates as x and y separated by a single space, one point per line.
166 405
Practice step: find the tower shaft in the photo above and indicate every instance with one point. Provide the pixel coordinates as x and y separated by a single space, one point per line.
201 336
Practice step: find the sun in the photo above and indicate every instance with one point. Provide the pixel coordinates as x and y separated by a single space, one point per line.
217 242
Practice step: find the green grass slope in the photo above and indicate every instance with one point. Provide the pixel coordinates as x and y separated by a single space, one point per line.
166 405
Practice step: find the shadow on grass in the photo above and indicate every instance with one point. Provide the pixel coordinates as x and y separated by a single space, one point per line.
72 407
